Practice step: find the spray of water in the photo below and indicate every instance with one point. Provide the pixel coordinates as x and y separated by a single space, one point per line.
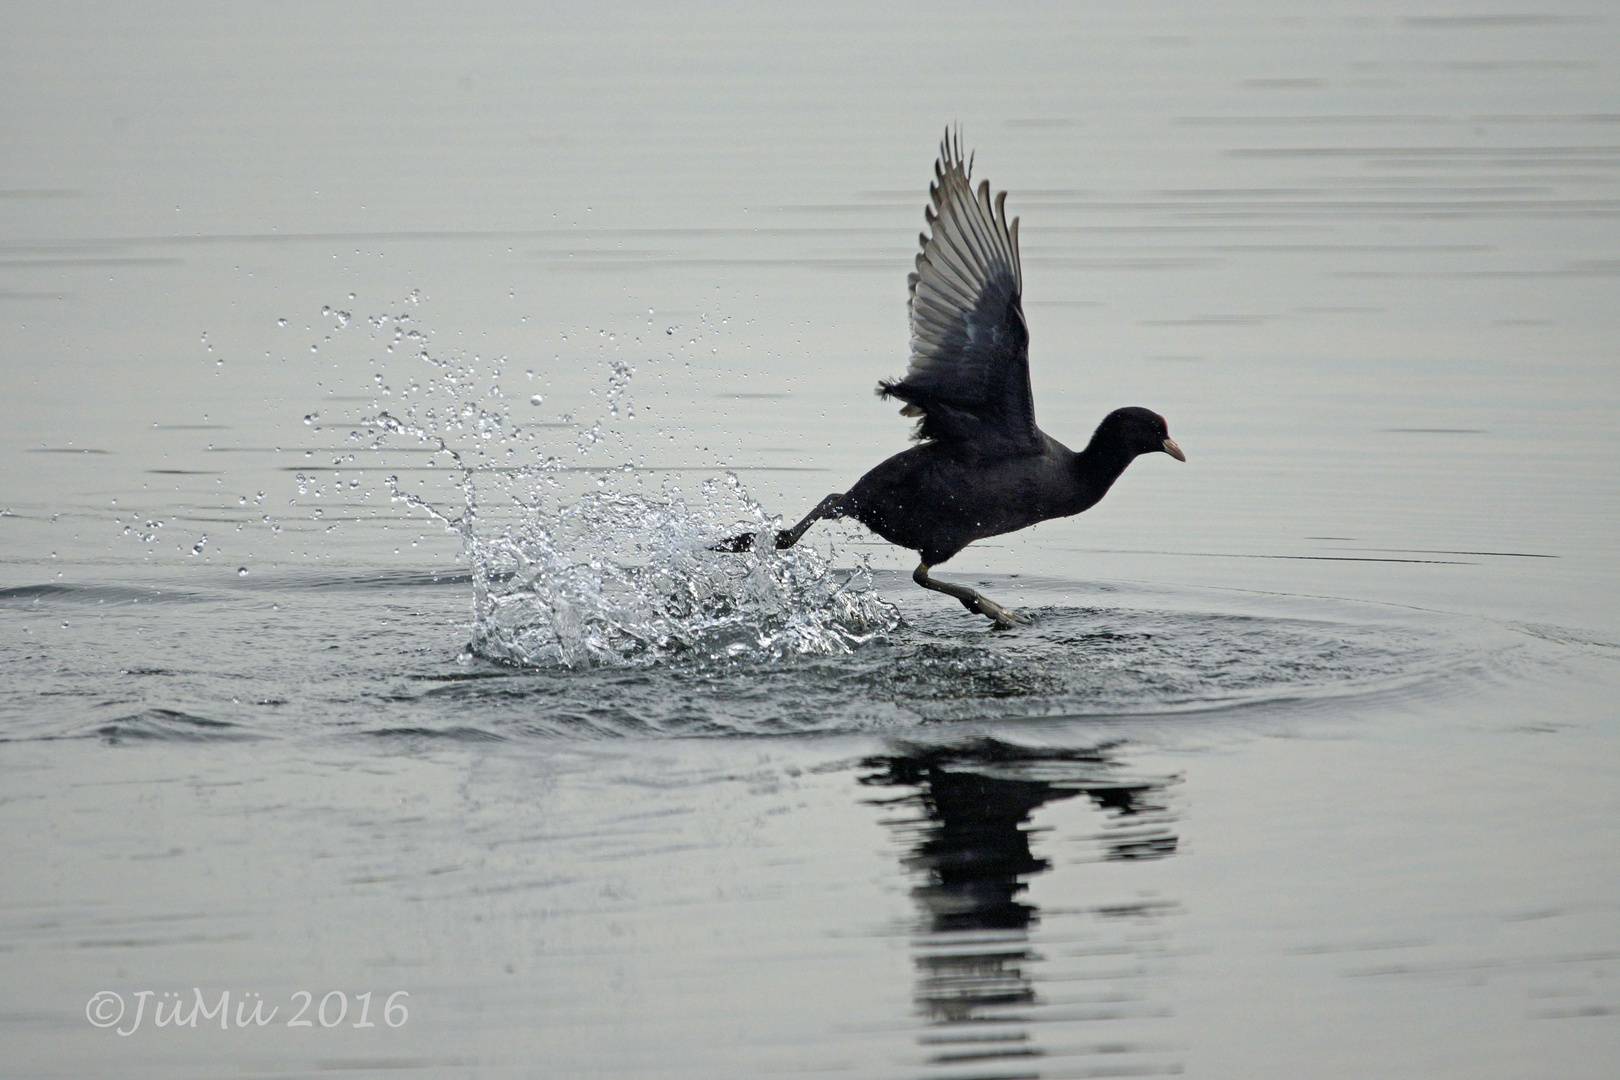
593 560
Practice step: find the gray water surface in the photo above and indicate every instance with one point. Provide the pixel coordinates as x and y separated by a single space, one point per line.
374 382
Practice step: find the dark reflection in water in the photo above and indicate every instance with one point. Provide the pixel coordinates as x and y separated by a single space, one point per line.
969 846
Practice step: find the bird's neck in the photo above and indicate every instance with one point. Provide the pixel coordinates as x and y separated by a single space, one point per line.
1097 467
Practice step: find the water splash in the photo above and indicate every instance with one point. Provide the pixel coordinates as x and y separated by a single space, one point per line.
580 562
617 578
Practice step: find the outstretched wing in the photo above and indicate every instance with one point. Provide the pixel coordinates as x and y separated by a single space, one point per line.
969 373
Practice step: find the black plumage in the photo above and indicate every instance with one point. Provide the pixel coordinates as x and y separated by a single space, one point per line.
983 467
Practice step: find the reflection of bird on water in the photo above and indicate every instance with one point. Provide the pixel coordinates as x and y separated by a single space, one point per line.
974 853
972 848
983 468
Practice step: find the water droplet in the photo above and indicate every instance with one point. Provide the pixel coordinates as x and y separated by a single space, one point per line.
241 571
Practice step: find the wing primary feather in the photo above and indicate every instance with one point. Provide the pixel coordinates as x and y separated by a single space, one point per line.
967 226
999 236
947 241
955 283
951 270
1018 259
978 221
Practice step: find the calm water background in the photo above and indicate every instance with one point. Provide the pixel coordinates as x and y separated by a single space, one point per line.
1307 764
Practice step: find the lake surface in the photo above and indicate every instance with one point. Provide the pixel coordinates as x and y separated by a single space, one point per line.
375 381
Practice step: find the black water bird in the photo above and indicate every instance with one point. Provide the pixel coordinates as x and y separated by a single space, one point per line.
982 467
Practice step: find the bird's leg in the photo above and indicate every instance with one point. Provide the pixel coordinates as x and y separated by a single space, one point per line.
789 537
973 601
785 538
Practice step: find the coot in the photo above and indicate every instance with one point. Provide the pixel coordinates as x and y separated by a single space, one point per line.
982 467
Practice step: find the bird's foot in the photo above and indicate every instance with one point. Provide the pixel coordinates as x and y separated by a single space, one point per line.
1003 618
735 544
749 542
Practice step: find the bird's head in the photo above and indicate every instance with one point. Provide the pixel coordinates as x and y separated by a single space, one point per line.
1139 431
